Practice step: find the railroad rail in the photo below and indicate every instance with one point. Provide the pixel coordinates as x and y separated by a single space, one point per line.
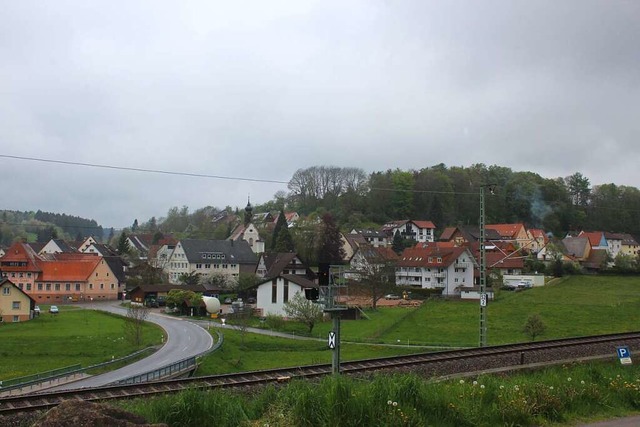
440 363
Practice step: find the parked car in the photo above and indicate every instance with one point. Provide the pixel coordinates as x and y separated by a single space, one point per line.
392 296
228 300
251 300
162 301
54 309
36 310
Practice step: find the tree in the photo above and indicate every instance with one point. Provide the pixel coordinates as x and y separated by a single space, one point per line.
302 310
398 242
330 249
134 227
534 326
123 247
284 242
191 278
376 270
136 316
175 297
219 281
281 223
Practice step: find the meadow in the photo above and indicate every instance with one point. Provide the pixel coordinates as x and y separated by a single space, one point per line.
560 395
575 306
74 336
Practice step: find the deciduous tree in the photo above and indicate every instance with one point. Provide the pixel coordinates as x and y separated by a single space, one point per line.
302 310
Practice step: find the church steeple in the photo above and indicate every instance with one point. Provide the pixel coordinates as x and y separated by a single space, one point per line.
248 212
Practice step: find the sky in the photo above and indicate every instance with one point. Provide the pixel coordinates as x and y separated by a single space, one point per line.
235 96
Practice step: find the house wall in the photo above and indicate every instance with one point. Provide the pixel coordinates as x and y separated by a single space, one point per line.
264 296
53 292
8 295
178 264
102 284
450 278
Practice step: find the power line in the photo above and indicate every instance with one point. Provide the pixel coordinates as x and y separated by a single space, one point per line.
199 175
131 169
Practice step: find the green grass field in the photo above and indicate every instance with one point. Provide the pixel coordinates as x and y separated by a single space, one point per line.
580 305
74 336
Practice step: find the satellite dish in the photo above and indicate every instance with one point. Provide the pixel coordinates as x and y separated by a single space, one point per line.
212 304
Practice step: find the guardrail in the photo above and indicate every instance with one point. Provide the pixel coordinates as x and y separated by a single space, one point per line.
35 380
181 366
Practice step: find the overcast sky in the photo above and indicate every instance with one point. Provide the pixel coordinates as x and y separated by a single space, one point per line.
259 89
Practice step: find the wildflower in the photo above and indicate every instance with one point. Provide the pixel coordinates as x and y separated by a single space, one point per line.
551 388
475 383
569 379
481 385
501 387
389 402
461 381
395 403
582 382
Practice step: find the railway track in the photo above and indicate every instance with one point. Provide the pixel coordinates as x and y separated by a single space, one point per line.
429 364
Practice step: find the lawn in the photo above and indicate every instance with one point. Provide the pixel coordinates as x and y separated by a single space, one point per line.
74 336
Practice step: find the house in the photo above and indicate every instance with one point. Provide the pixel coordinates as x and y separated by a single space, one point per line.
540 239
420 231
516 233
597 239
100 249
15 304
629 245
249 233
372 237
206 257
465 235
434 267
290 217
82 246
273 293
621 243
141 243
371 261
578 248
59 277
275 264
55 246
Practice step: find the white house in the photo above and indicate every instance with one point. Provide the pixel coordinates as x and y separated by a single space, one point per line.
272 293
420 231
206 257
56 246
435 267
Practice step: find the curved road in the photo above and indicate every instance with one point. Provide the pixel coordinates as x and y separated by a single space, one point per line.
184 340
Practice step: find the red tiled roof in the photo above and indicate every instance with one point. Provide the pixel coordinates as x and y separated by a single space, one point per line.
424 224
68 270
428 256
506 230
594 237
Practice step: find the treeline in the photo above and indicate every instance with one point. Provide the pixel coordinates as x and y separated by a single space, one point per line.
42 226
451 196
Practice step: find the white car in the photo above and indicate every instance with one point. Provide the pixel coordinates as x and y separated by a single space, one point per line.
54 309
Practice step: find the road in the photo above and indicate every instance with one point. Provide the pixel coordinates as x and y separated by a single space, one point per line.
184 339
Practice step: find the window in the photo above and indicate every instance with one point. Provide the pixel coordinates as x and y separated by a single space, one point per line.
198 266
39 286
57 286
77 286
21 286
48 286
15 305
285 296
274 291
90 285
28 286
21 274
67 287
101 285
6 290
113 286
28 274
16 318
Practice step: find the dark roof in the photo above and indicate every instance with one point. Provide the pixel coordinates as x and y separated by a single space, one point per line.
238 252
167 288
298 280
64 246
576 246
116 264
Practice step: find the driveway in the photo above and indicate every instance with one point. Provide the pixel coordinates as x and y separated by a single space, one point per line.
184 339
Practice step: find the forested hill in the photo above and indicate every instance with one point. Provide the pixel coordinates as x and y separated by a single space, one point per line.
450 196
42 226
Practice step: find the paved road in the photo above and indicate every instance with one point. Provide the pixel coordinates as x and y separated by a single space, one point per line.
618 422
184 339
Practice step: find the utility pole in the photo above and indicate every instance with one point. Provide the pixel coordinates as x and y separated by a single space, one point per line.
483 267
333 308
